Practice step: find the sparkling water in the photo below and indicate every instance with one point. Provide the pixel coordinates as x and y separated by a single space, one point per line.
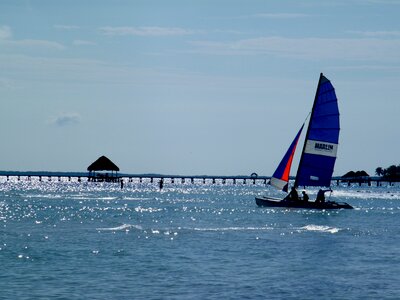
80 240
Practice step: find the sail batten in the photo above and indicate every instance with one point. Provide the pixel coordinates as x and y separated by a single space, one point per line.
322 138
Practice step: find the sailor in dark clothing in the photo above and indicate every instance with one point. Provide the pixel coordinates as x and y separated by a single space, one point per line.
321 195
293 195
305 196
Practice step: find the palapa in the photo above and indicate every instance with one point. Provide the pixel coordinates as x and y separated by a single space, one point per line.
103 164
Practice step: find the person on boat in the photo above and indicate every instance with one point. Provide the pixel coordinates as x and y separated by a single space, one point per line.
321 195
305 196
293 195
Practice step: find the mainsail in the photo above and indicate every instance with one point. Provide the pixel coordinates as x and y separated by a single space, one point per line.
320 146
281 176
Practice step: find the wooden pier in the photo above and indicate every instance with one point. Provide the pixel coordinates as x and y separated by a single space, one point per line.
141 178
182 179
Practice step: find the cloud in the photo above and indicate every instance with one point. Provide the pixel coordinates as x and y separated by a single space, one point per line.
7 84
365 49
66 119
373 68
145 31
66 27
279 15
5 32
29 43
83 43
42 69
378 34
7 41
380 2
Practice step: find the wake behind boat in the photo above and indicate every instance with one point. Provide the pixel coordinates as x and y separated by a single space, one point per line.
318 157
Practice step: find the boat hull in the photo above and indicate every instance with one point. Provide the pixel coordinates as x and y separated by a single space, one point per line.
275 202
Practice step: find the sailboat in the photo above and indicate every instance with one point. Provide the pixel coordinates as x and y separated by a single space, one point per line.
318 157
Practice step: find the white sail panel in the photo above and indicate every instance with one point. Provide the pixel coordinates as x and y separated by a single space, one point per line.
278 183
321 148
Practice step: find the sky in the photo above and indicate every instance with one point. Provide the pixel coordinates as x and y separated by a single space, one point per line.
215 87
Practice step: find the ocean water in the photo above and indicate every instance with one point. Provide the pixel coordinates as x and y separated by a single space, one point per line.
70 240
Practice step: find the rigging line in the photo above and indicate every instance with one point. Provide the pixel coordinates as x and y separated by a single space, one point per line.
309 114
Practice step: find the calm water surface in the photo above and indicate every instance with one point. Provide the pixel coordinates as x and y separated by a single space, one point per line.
70 240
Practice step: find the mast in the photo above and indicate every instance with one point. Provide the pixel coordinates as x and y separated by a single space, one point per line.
308 129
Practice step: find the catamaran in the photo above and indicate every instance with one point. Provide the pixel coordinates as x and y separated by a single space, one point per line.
318 158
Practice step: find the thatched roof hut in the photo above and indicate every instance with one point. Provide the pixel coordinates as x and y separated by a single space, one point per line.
103 164
353 174
358 176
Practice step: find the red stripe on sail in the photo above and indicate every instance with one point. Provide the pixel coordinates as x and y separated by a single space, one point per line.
286 173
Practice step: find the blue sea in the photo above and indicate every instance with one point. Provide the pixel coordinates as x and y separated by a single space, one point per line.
81 240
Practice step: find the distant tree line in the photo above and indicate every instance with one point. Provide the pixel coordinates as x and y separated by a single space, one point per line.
390 172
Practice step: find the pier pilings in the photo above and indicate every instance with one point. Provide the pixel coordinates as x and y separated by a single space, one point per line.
172 179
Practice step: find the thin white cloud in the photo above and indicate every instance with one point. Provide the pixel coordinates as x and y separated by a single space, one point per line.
5 32
274 16
66 27
380 2
7 84
83 43
307 48
28 43
236 32
384 68
41 70
66 119
6 40
145 31
38 43
378 34
279 15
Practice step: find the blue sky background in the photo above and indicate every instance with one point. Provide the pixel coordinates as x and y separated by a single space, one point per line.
193 87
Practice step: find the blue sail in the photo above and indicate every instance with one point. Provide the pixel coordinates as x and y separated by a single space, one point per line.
320 146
